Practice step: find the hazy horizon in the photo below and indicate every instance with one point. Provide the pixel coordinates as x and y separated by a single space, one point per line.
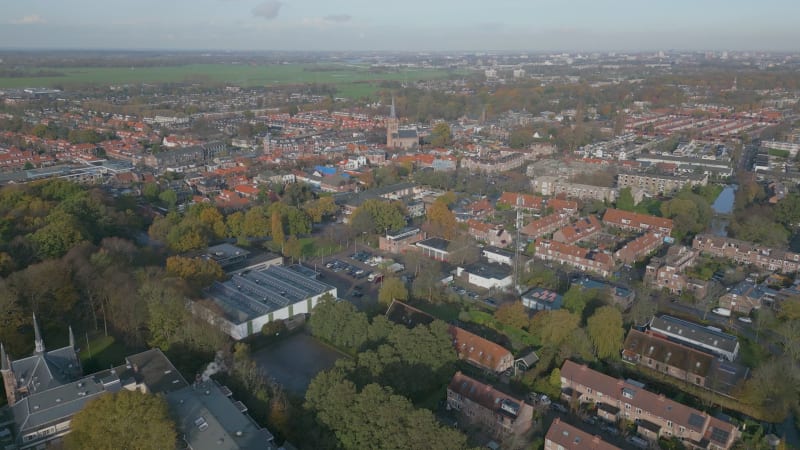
408 26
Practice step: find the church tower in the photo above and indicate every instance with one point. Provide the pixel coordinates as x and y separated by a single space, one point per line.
37 335
392 127
9 380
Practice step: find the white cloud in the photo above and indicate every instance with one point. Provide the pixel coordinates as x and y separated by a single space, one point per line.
268 10
31 19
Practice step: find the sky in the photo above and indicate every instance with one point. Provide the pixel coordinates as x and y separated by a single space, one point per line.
402 25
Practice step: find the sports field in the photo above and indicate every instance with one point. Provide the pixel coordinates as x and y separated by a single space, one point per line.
350 80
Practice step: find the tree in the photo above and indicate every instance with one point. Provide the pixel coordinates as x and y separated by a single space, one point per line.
513 315
199 272
441 136
625 200
441 220
392 288
169 198
554 327
520 138
378 216
277 228
605 331
321 208
128 418
576 299
293 248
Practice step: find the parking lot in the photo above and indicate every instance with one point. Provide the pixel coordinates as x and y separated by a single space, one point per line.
355 274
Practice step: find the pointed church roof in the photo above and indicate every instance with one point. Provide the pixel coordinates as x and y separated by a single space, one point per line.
71 337
37 336
393 112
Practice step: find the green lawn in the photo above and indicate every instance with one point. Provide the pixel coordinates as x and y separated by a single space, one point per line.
318 247
105 352
351 80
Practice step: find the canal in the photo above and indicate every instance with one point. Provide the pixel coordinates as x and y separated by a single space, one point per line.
723 208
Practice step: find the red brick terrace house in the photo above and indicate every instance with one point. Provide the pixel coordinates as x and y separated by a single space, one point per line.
636 222
500 413
546 225
639 248
578 257
491 234
655 415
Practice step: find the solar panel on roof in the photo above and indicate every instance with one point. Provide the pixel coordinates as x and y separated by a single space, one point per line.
719 435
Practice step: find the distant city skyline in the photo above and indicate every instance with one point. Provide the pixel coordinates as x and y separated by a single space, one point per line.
408 25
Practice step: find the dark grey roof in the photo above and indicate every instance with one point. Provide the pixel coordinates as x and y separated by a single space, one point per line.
488 270
46 370
695 332
208 419
407 134
154 369
256 293
435 242
498 251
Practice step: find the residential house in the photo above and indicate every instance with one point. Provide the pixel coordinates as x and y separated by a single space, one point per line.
583 229
501 414
632 221
639 248
541 299
401 241
494 235
707 339
669 272
654 414
480 352
743 252
747 296
578 257
563 436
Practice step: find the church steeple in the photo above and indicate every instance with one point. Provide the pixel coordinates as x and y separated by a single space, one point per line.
71 337
37 336
393 111
4 365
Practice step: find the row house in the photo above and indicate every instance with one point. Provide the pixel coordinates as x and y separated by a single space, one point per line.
478 403
563 436
639 248
583 259
583 229
743 252
655 415
502 162
545 225
632 221
667 357
563 206
494 235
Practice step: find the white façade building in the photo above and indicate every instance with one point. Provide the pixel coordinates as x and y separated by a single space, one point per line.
242 305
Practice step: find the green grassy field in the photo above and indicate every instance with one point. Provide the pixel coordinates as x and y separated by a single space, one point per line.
350 80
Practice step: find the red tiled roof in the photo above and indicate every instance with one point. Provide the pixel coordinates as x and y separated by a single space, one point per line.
478 350
628 219
568 437
526 200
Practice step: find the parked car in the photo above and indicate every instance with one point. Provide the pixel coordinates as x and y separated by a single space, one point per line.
745 319
544 400
610 429
591 420
559 407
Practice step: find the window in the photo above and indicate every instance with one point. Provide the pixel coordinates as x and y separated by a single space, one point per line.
669 424
638 410
589 390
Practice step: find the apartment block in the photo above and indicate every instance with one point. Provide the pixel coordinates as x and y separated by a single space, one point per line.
639 248
656 184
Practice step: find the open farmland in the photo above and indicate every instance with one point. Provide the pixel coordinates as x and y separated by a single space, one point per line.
350 80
